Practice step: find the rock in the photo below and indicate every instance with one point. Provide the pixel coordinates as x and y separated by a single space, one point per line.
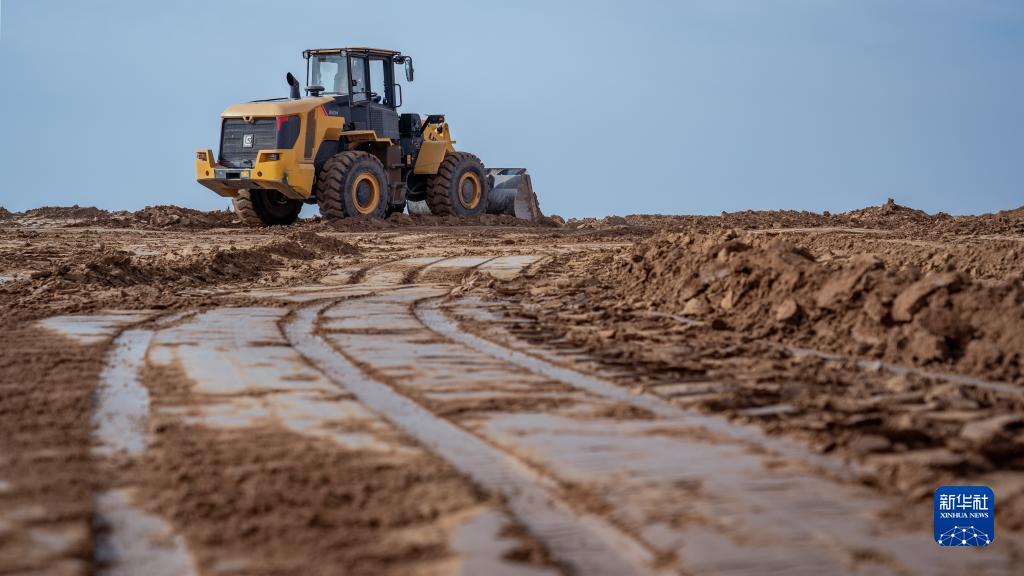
615 221
925 347
607 334
984 432
930 458
843 287
697 306
868 333
730 300
913 298
788 311
692 288
731 247
869 443
899 383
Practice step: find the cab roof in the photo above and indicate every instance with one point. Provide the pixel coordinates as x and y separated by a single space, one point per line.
357 49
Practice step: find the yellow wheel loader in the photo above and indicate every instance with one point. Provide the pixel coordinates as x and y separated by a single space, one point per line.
346 147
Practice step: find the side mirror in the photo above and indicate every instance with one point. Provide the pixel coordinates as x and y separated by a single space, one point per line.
409 72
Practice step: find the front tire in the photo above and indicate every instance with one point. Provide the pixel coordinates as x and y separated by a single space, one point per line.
260 207
460 186
352 183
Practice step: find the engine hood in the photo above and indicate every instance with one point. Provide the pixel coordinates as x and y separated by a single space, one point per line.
283 107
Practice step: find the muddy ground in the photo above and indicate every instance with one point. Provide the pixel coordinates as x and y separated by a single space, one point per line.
431 395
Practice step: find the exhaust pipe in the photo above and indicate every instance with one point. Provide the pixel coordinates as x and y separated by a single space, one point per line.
294 84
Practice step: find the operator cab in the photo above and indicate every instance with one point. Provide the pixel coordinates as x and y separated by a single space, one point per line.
362 83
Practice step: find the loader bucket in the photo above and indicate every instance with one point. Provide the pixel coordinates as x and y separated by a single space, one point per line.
512 193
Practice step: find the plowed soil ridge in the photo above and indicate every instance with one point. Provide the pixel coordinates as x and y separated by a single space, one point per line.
770 288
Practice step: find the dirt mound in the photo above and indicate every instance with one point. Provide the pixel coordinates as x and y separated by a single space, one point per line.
150 217
1015 213
5 214
770 288
178 218
75 212
120 269
321 245
890 215
117 268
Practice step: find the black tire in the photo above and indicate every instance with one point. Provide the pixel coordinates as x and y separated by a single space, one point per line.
460 186
259 207
352 184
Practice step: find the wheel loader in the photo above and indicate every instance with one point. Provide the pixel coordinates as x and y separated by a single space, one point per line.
345 146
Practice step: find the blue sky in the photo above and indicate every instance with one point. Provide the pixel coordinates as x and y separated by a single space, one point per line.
615 107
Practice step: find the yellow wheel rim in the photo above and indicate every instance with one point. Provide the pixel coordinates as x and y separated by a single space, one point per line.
469 191
365 193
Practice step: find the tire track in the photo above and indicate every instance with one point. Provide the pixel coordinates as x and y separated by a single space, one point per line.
607 492
252 382
644 471
128 539
430 313
584 542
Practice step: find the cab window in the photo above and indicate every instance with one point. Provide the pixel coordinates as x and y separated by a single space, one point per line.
378 82
360 88
331 72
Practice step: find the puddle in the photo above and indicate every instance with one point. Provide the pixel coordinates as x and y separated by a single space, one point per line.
130 541
122 402
95 328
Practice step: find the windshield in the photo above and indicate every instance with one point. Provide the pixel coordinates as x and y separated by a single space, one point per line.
329 71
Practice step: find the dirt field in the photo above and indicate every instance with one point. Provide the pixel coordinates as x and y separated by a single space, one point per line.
760 392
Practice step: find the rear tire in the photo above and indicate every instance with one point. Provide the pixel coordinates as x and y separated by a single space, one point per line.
260 207
352 184
460 186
